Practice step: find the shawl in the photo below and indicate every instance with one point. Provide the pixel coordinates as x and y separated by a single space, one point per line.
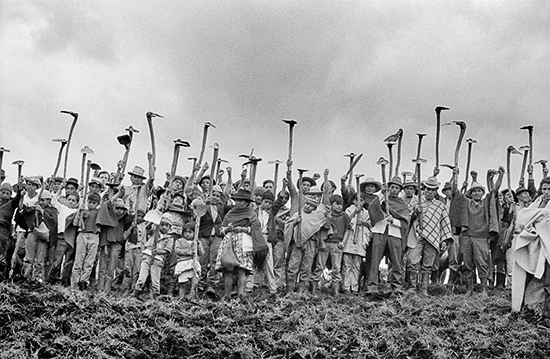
398 210
532 252
244 217
311 224
372 204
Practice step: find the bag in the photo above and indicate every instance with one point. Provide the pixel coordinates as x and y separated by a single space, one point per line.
228 259
42 232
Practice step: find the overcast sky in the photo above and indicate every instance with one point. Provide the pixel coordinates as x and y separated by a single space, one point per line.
350 72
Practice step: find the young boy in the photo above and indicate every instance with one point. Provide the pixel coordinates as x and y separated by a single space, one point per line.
354 245
186 266
337 223
158 246
87 242
135 238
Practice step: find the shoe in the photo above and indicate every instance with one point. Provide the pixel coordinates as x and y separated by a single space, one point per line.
483 292
424 284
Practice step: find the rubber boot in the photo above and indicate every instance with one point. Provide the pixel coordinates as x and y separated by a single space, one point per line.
501 281
413 279
407 279
424 284
290 285
469 287
227 284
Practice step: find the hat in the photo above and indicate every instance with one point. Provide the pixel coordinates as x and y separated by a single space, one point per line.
396 181
72 181
431 183
45 195
243 194
217 188
119 203
520 190
447 185
410 184
166 218
34 180
94 197
476 185
267 181
58 179
309 180
137 171
97 181
312 201
336 198
180 178
6 187
315 190
370 181
238 183
268 195
258 191
331 183
206 178
190 226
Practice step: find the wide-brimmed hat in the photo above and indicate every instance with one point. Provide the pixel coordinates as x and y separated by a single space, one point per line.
309 180
217 188
34 180
431 183
206 178
243 195
315 190
58 179
410 184
72 181
138 172
521 190
396 181
268 195
312 201
476 185
180 178
371 181
258 191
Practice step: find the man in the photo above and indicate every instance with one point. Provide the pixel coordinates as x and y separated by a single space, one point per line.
8 206
433 231
389 233
269 185
138 190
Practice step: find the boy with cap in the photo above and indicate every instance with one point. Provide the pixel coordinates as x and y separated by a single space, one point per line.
87 242
8 206
336 225
159 244
186 265
433 233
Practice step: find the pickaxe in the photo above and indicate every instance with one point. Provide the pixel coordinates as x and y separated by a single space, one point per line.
291 124
396 138
530 129
19 164
131 130
354 163
203 145
218 166
509 151
215 155
75 118
526 153
276 174
150 116
544 168
419 148
177 145
382 162
194 159
2 150
63 143
358 207
253 162
470 142
85 152
438 110
462 126
351 158
390 146
419 162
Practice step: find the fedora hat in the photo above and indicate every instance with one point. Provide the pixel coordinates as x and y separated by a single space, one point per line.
370 181
431 183
138 171
396 181
243 194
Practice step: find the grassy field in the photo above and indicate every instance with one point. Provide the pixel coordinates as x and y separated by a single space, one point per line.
54 322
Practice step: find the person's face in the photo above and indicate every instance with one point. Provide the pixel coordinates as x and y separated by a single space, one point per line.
509 197
266 204
258 199
32 188
177 201
336 207
136 179
430 193
308 208
104 177
205 184
140 217
223 186
164 227
447 192
177 185
246 186
72 202
5 195
268 186
120 211
94 188
306 186
70 188
239 203
477 194
394 189
370 188
216 197
545 189
92 204
188 234
45 202
500 199
56 186
409 191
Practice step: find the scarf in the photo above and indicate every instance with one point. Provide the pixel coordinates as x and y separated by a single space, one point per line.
246 217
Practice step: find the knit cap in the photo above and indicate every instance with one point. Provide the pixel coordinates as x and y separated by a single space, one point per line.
6 187
258 191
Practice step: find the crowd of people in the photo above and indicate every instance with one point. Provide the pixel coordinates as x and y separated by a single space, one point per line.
199 235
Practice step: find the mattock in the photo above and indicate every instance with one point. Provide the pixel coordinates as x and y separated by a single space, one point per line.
351 158
300 203
275 175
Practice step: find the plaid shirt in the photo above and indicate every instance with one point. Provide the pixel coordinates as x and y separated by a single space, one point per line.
436 225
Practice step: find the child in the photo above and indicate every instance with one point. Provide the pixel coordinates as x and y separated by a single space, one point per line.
156 249
87 242
187 265
135 237
354 245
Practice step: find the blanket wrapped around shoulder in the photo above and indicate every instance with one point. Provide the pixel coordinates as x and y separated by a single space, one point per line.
398 210
246 217
311 224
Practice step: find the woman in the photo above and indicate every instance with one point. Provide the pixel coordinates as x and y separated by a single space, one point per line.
243 245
